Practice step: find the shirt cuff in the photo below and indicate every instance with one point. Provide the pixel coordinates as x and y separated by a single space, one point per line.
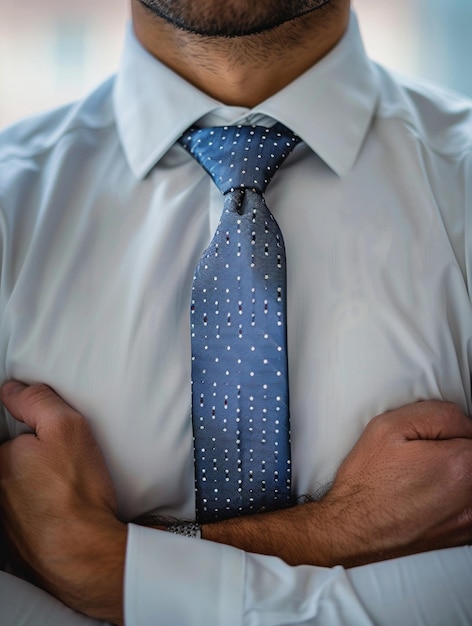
170 579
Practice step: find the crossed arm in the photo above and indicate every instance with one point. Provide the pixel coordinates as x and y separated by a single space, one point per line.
56 498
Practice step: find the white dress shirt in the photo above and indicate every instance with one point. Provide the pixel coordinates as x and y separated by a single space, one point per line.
102 220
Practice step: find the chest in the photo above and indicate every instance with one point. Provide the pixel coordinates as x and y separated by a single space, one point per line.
378 316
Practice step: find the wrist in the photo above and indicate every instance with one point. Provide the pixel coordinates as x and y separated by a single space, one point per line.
89 576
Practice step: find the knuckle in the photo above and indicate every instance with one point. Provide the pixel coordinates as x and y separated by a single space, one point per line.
68 420
459 465
448 408
381 424
40 396
378 421
36 393
465 520
73 425
436 417
78 422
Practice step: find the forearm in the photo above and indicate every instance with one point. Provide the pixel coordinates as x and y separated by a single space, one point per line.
90 577
324 533
298 535
314 533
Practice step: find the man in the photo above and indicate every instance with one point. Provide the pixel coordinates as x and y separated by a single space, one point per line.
103 219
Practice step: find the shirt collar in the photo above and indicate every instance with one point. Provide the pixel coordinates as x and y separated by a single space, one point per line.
330 106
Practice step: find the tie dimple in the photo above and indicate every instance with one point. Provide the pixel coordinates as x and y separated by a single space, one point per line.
240 409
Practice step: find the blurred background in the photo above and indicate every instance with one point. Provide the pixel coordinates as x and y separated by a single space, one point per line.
54 51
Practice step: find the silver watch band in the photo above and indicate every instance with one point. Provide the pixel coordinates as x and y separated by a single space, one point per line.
187 529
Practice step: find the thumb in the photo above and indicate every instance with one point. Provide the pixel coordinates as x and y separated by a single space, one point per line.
35 405
436 419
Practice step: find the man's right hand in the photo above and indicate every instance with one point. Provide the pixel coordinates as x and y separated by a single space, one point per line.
405 487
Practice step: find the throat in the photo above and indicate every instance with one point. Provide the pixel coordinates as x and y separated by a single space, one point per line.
246 70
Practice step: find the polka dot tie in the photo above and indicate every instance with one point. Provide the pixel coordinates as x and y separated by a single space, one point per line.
240 409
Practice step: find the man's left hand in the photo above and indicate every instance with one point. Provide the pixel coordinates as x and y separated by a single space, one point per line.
58 504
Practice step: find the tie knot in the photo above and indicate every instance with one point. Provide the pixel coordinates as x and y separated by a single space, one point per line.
240 157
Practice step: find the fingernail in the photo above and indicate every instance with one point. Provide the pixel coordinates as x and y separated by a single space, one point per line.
12 387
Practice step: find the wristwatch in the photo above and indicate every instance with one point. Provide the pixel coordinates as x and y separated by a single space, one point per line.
187 529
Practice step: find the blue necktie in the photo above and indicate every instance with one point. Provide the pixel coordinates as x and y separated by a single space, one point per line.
240 408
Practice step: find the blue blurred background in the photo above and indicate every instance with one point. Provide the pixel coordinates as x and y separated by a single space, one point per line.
53 51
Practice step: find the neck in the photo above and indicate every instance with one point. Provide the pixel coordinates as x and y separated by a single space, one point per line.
246 70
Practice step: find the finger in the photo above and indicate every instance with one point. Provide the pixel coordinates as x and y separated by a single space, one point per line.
432 419
443 420
35 405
